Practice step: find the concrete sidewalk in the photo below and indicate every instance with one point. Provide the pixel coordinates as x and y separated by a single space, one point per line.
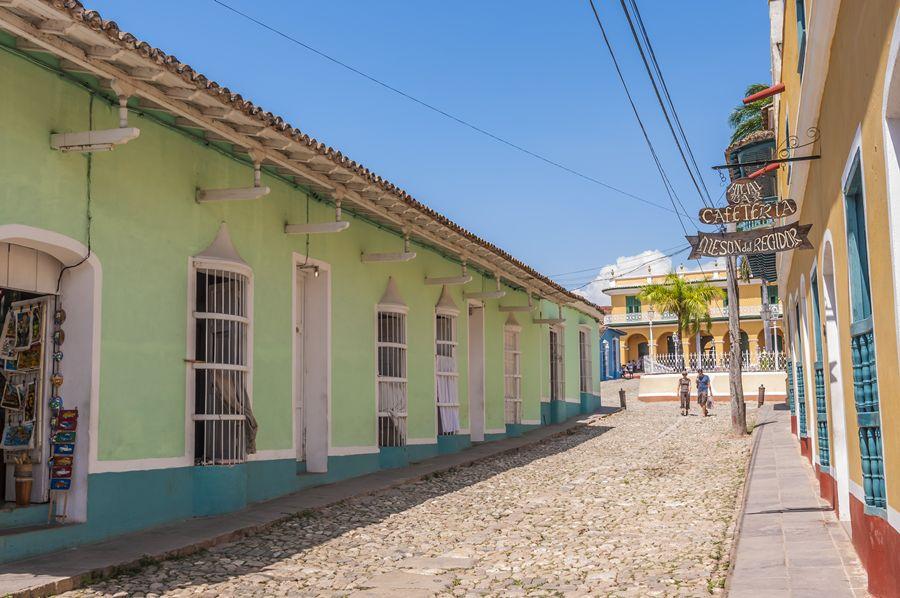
790 542
65 570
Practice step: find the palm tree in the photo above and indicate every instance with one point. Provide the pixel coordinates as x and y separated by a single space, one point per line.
689 301
747 118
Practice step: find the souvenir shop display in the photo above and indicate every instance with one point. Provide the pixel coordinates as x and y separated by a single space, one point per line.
23 353
63 427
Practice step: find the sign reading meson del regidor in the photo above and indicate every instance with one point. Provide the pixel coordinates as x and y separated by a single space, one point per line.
742 212
783 238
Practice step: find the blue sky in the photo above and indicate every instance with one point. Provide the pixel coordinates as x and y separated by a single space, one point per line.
533 72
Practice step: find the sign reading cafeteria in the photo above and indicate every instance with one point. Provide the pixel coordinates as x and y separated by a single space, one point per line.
742 212
772 240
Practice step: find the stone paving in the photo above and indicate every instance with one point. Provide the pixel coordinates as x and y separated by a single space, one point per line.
641 503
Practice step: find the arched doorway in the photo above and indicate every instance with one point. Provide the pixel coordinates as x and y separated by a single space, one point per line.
64 265
636 348
835 384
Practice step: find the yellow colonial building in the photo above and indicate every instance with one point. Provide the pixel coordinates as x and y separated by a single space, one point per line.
839 64
650 336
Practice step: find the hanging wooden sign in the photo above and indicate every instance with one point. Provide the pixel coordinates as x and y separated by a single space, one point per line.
742 212
772 240
745 190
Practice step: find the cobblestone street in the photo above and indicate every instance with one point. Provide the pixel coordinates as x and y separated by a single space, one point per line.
640 503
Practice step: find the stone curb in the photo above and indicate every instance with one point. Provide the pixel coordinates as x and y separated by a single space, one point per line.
742 504
73 582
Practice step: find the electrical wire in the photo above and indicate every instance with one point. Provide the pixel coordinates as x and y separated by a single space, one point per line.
682 147
623 274
659 167
594 268
89 213
436 109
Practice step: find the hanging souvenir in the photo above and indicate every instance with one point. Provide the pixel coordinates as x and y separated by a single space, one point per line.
23 329
62 461
59 316
36 325
18 437
63 449
61 471
60 484
56 403
59 336
8 338
30 358
62 437
57 356
56 380
30 399
13 396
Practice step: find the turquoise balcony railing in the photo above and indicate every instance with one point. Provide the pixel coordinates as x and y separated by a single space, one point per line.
790 386
822 417
865 397
801 401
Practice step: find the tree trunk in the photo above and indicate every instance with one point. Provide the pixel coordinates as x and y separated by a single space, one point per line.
738 407
679 349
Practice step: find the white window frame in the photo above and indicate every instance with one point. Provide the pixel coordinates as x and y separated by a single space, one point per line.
512 373
452 345
400 415
237 454
585 360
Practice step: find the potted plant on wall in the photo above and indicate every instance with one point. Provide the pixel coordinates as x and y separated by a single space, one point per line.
23 475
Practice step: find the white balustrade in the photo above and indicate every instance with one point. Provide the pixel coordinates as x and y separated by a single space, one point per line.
671 363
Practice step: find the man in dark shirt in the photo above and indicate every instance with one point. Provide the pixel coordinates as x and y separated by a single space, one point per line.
704 391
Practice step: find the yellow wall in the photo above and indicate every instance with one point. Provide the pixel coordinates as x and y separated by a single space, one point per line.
852 100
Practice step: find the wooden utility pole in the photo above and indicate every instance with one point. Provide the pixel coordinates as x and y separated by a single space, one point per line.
736 384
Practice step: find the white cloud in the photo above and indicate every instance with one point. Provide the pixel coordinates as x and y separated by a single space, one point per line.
630 266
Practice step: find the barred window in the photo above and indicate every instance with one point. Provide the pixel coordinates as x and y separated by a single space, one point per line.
392 380
224 427
512 375
585 358
446 374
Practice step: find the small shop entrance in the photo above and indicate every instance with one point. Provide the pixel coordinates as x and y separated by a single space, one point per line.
27 285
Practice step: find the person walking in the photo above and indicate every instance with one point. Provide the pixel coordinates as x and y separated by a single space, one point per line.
704 392
684 393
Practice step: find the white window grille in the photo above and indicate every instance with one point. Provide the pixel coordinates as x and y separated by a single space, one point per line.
224 427
557 365
446 374
585 356
512 375
392 382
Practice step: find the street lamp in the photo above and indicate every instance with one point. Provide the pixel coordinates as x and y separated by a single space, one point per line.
650 315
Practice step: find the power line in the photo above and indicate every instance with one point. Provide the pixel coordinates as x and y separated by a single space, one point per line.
665 87
437 110
659 167
594 268
623 274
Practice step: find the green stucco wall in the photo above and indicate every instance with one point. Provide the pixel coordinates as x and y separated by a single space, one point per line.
145 225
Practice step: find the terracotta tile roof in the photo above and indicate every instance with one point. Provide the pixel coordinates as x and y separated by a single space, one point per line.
231 99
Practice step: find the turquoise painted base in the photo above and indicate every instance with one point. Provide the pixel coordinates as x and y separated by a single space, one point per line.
453 444
391 457
516 430
546 414
14 517
122 502
589 403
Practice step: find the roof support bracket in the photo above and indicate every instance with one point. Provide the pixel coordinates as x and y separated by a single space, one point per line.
320 227
463 278
257 191
102 140
401 256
